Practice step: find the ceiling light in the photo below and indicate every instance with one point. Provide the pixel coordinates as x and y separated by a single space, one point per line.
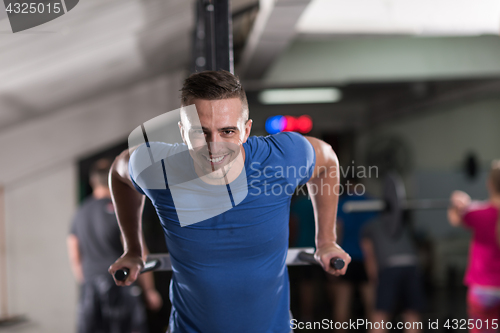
300 96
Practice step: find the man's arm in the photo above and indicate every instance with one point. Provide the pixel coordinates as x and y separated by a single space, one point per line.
75 259
128 207
323 188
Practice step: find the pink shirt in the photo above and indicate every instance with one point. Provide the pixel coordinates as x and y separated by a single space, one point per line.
484 255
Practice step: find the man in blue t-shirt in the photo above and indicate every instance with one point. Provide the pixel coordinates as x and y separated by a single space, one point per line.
223 199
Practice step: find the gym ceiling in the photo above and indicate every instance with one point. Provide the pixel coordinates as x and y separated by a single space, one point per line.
389 60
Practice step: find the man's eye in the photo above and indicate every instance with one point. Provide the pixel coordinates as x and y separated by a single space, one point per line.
228 132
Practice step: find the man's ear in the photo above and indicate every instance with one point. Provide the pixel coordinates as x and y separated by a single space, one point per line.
248 129
181 129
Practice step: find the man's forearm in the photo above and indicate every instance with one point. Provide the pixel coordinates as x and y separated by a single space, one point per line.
128 206
323 188
325 203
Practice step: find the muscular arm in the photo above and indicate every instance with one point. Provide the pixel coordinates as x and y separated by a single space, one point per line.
128 207
74 257
323 188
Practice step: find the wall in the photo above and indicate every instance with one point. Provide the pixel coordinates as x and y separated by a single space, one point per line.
439 139
38 170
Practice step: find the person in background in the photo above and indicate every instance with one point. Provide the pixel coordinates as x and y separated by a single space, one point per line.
349 226
483 271
392 265
94 243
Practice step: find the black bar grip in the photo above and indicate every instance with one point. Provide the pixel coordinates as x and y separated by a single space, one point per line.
337 263
122 274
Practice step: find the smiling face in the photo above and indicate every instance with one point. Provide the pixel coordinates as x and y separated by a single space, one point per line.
215 137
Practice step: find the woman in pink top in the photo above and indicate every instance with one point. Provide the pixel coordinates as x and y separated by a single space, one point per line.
483 272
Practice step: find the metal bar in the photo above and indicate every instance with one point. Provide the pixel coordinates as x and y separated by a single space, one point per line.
336 263
364 206
210 44
162 262
381 205
213 36
425 204
298 256
199 35
223 29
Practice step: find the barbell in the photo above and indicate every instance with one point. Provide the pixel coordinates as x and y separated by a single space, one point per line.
295 257
393 204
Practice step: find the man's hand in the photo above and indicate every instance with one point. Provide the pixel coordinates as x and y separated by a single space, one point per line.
134 263
328 251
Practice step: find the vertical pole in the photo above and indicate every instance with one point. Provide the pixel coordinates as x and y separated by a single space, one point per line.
223 27
4 310
199 63
213 37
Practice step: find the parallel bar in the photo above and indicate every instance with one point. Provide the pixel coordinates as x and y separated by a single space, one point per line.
364 206
162 262
380 205
295 257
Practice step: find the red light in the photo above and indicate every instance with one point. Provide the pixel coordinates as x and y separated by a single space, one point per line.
290 124
276 124
304 124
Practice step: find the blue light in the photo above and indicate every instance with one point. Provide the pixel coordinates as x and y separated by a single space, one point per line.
275 124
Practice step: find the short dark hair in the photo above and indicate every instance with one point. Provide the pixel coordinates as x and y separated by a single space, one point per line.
99 172
214 85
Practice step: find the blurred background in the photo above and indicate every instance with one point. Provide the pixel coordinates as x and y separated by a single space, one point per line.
405 85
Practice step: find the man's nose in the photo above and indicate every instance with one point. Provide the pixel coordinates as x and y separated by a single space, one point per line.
212 137
214 142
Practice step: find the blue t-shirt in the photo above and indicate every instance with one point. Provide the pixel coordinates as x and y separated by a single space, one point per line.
229 271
